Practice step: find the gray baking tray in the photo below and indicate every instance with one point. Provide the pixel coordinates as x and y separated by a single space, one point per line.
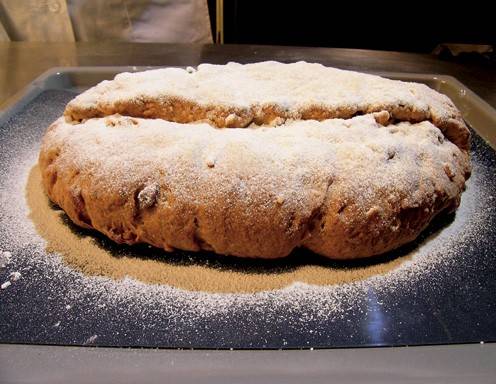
450 306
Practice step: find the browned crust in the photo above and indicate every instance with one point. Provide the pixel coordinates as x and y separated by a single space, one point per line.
332 226
185 111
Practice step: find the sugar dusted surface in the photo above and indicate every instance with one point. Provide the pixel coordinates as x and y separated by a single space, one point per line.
300 166
297 316
293 85
292 88
292 160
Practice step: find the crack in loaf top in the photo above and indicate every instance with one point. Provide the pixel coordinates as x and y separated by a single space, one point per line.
266 93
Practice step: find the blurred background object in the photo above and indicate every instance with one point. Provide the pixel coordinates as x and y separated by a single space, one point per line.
3 34
36 20
456 31
465 51
167 21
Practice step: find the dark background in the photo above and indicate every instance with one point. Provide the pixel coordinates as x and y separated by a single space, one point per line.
414 26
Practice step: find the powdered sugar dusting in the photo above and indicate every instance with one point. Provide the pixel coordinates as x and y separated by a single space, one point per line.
291 86
324 300
309 166
234 95
167 316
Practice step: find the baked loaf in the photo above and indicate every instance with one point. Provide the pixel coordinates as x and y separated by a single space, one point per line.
267 93
343 188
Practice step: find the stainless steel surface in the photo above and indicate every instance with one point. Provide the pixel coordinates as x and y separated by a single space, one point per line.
441 364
